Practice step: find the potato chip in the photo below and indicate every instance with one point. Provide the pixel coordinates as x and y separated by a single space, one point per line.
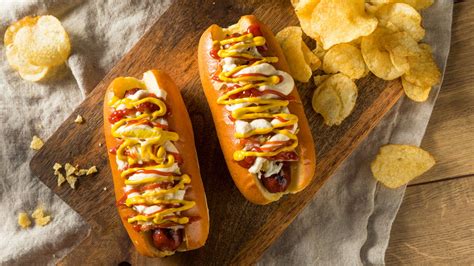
377 57
401 17
335 98
414 92
320 79
311 59
304 10
44 44
327 103
319 51
27 71
13 28
417 4
341 21
396 165
400 45
423 69
347 59
290 40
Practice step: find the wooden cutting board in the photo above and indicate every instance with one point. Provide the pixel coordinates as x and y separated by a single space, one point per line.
240 231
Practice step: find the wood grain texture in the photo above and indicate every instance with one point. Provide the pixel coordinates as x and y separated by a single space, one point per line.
435 225
450 133
240 231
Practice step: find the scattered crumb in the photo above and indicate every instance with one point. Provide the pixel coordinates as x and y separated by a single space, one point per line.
100 144
81 172
79 119
72 173
71 179
43 220
23 220
61 179
69 169
91 170
105 188
57 166
38 213
39 216
36 143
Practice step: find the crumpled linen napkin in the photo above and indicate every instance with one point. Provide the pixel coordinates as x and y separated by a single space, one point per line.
348 222
101 32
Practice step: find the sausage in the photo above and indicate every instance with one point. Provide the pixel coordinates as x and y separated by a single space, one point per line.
278 182
166 239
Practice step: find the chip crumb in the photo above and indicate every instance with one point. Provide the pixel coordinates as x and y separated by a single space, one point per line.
79 119
81 172
38 212
72 181
61 179
42 221
105 188
40 217
69 169
36 143
23 220
91 170
57 166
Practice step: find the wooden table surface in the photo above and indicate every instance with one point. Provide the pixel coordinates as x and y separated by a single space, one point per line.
436 220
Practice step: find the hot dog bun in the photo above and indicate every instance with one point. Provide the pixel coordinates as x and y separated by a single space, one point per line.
195 233
302 171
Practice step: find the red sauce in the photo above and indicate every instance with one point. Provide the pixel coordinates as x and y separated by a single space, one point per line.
255 30
118 115
214 54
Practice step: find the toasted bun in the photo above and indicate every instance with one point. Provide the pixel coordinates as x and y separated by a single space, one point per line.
302 172
195 234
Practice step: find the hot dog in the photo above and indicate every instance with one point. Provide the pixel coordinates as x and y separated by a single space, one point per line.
157 184
258 114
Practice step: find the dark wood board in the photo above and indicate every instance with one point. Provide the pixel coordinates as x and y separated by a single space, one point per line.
240 231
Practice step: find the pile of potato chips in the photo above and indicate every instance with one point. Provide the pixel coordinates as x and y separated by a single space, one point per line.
37 47
354 38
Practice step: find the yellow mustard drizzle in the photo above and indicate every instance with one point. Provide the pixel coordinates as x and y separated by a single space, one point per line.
150 146
258 108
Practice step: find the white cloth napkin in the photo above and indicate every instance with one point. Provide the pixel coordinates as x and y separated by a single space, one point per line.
348 222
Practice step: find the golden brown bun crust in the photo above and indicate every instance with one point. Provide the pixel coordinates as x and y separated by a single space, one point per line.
195 233
302 172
